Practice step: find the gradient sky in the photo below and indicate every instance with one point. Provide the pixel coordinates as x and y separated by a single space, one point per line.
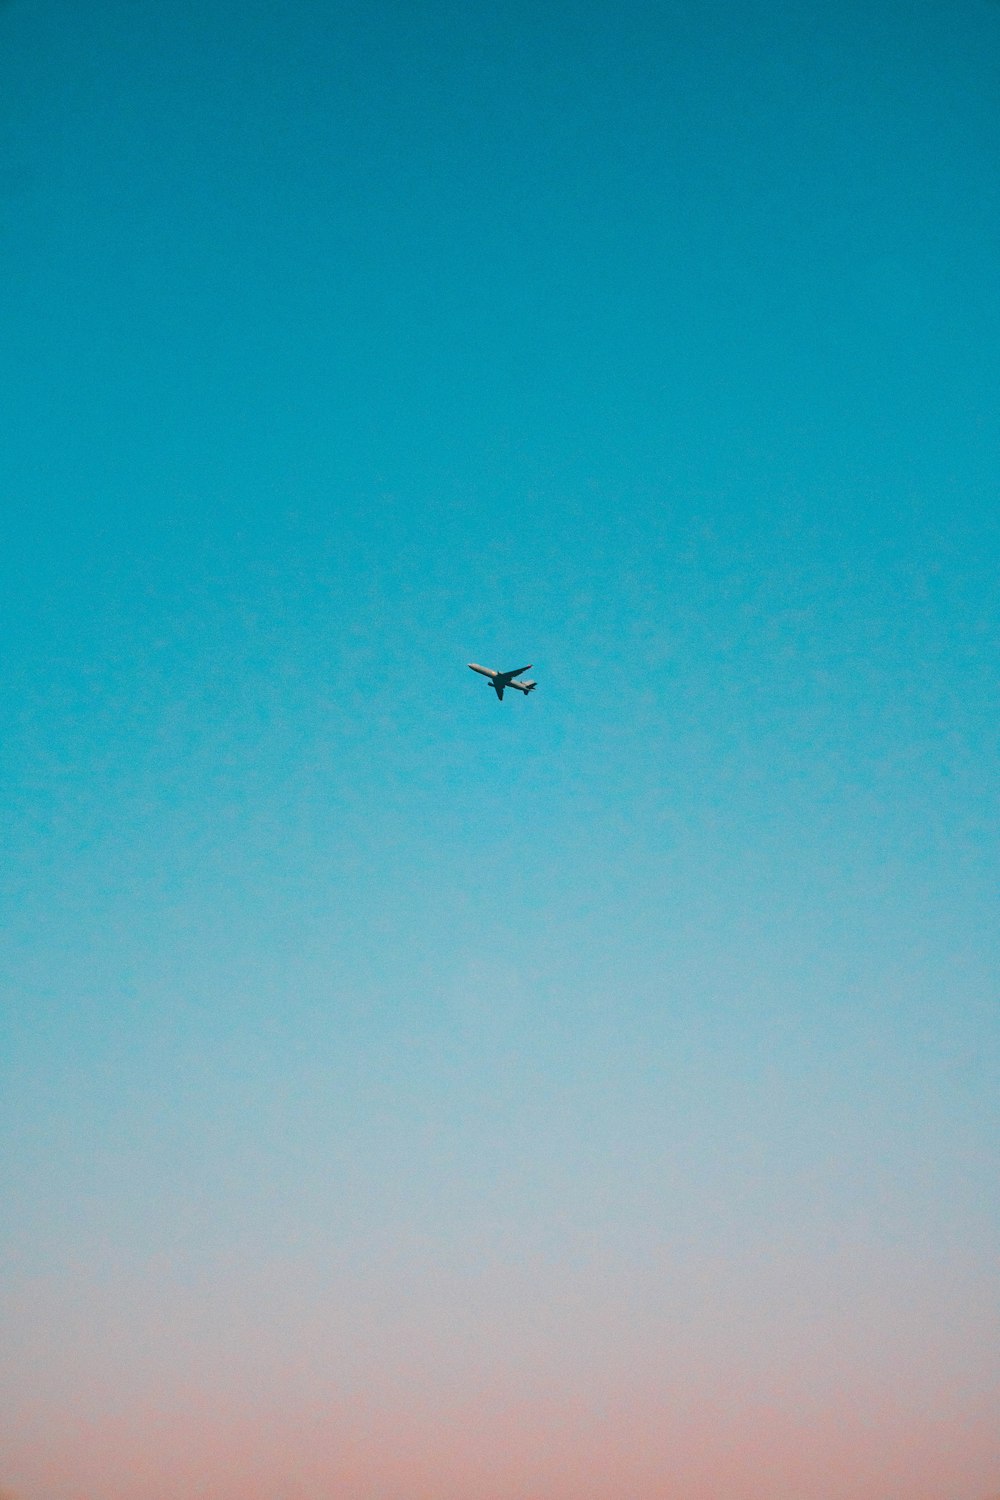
411 1097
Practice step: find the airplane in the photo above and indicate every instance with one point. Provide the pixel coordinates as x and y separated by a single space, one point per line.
501 680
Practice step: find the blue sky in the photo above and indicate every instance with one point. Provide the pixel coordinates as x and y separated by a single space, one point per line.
655 345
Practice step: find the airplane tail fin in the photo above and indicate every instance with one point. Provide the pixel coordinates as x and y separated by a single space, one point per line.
525 687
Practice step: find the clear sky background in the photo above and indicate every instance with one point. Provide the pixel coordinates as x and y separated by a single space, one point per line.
407 1096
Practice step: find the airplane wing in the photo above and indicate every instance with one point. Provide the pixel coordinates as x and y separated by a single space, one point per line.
498 689
517 672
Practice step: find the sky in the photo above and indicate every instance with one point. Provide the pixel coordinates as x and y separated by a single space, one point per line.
409 1096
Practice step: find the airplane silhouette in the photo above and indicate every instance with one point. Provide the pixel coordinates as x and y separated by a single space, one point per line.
501 680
